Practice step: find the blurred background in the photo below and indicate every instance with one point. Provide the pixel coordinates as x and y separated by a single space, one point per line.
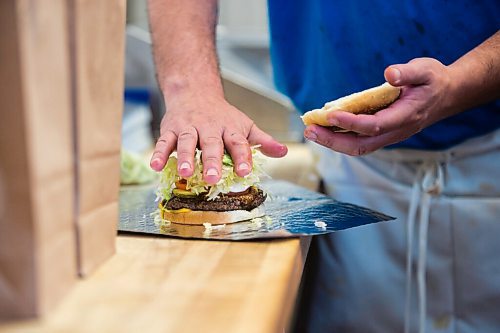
243 49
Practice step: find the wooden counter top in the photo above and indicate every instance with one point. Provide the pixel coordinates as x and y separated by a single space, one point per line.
158 284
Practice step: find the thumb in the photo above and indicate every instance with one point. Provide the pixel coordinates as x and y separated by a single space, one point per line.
268 146
416 72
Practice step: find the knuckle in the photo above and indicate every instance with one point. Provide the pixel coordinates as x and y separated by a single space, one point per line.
166 133
162 138
241 156
187 134
211 140
156 154
184 154
432 70
418 116
359 148
348 125
237 140
431 74
362 150
160 144
376 130
327 142
166 137
212 160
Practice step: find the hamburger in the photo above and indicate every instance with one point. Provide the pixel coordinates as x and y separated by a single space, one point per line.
193 201
367 101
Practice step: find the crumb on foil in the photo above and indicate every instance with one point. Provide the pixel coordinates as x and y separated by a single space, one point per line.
320 224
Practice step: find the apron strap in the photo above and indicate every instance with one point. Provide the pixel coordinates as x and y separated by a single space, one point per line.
429 181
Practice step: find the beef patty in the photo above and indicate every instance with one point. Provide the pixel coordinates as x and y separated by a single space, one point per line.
247 201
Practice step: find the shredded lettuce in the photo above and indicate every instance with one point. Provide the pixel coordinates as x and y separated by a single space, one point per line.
168 177
197 185
134 170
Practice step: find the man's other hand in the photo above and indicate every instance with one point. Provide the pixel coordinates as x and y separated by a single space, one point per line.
425 99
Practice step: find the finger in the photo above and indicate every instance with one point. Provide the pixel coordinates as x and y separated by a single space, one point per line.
341 142
212 148
351 143
268 146
186 145
408 111
417 72
392 118
360 123
239 149
164 147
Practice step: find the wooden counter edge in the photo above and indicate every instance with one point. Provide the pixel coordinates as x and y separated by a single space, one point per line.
71 313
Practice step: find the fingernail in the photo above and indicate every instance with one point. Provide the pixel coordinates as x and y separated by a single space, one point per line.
333 121
212 172
283 149
396 75
185 166
155 162
310 135
243 166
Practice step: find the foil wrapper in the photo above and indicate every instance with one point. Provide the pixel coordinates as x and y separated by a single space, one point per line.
291 211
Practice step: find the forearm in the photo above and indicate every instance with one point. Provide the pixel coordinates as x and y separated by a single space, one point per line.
183 34
475 77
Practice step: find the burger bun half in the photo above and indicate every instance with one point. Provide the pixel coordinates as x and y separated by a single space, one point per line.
367 101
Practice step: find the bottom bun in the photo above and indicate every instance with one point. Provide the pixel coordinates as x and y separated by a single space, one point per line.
198 217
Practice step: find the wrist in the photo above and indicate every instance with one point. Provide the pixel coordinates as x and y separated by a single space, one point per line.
453 96
179 86
465 88
476 75
180 92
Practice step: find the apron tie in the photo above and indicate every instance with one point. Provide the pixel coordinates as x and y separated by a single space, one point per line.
429 181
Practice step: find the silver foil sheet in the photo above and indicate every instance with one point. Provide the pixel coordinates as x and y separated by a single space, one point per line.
291 210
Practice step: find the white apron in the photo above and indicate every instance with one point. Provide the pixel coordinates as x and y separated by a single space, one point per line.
447 206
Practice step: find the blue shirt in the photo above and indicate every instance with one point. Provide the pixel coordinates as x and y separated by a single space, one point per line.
325 49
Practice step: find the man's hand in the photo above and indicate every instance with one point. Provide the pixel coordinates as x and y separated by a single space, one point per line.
197 115
424 99
430 92
211 124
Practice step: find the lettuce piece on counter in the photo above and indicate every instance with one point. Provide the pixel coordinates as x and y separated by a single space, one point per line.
135 170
